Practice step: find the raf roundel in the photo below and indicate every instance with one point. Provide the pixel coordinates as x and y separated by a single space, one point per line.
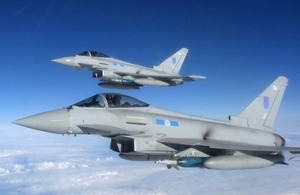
174 60
167 123
266 102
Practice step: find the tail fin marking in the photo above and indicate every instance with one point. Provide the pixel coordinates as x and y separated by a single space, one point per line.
261 113
173 64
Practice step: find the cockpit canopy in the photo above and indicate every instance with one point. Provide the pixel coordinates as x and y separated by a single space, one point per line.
112 100
93 54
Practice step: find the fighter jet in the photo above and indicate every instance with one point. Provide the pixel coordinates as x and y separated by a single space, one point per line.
118 74
142 132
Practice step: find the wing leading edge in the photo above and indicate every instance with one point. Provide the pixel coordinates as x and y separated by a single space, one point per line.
228 145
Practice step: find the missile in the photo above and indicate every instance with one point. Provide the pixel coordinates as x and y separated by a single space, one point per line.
166 162
226 162
183 162
169 163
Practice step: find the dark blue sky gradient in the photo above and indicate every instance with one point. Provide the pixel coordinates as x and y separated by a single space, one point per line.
241 46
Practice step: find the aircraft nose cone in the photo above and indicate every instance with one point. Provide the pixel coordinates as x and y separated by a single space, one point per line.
55 121
67 61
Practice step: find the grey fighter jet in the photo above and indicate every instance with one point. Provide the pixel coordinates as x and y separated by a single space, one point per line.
139 131
118 74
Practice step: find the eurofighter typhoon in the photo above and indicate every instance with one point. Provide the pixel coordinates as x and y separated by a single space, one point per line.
118 74
142 132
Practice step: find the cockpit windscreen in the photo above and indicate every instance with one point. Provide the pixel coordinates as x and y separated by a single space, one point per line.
94 101
113 101
85 53
123 101
93 54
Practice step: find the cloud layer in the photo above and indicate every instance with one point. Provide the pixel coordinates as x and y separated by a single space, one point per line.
43 163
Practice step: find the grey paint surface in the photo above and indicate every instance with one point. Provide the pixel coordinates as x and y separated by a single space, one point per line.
117 74
139 131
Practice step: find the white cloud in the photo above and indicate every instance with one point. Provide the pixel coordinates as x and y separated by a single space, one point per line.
56 166
85 165
4 171
93 179
45 165
129 177
8 153
19 168
63 165
15 181
109 158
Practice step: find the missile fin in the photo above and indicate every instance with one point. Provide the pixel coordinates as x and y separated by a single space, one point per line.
175 166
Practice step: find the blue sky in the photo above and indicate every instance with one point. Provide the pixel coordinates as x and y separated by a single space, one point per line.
240 46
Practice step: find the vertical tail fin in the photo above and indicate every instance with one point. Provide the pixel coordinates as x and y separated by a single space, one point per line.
261 113
173 64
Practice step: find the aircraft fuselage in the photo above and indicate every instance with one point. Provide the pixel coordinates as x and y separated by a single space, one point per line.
119 74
